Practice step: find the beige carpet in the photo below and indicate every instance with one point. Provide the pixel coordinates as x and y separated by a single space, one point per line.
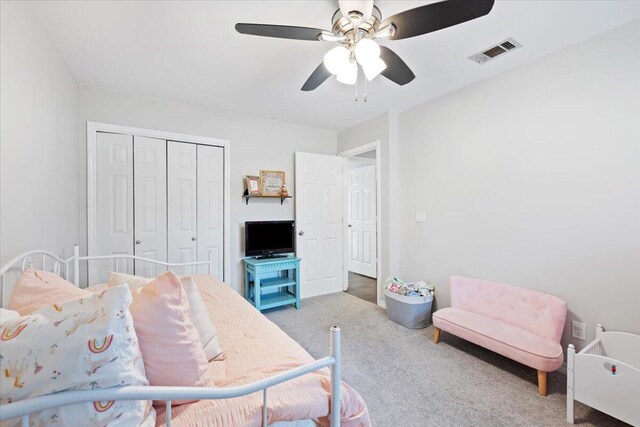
406 380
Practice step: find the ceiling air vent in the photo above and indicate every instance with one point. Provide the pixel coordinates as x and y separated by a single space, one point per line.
494 51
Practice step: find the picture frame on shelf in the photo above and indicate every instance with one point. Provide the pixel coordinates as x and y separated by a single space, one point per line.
252 183
271 182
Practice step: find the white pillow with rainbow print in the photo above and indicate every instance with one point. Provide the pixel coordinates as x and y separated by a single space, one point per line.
84 344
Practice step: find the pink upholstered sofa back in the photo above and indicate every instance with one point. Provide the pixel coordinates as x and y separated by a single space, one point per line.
540 313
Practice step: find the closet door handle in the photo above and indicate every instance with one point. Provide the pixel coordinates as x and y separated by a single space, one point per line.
301 233
193 239
138 242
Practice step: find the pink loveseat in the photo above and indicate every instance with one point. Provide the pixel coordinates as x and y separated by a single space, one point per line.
518 323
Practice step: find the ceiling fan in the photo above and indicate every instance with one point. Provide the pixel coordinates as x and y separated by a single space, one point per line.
357 23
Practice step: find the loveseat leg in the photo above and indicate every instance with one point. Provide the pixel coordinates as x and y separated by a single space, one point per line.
542 383
436 335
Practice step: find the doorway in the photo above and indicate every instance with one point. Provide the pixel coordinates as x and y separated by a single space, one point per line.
361 213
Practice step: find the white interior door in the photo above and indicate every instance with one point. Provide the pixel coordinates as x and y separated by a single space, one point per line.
181 203
114 221
354 219
362 220
210 208
150 203
318 199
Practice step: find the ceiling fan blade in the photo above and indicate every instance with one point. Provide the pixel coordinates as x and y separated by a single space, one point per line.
436 16
319 76
280 31
397 71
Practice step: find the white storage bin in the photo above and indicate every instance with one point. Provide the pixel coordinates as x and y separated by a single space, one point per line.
410 312
606 376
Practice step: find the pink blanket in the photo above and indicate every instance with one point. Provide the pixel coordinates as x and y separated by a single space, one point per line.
256 348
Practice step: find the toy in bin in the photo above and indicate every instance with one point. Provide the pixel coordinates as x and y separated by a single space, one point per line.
408 303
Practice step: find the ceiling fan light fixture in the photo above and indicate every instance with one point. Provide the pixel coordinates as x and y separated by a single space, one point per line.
387 31
336 59
348 74
357 22
330 37
356 10
367 51
368 55
373 68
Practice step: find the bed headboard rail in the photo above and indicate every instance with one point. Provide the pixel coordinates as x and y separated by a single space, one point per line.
69 269
205 267
39 259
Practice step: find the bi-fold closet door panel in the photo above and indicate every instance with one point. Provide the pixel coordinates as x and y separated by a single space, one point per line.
158 199
182 203
210 206
150 203
131 200
195 177
114 185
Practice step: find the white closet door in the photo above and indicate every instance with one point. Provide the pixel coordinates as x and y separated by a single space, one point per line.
210 208
181 203
150 203
114 182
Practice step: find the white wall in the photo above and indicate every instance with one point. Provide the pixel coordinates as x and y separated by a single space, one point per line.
38 139
255 144
532 177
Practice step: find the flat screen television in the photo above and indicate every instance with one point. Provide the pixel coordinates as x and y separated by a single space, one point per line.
269 238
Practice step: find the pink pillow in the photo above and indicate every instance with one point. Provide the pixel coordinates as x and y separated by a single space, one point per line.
170 344
35 289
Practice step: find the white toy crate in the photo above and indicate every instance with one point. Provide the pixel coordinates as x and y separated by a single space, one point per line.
606 376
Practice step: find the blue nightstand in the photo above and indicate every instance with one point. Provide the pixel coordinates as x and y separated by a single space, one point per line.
263 290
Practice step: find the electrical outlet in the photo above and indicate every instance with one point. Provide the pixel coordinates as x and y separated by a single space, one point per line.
578 330
421 216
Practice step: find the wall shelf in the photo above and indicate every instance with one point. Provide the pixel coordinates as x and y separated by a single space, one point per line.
248 196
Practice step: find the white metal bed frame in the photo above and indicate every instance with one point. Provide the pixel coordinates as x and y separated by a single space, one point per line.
23 408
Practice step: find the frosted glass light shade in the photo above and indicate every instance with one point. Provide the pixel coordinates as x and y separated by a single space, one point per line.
349 74
336 59
366 51
373 68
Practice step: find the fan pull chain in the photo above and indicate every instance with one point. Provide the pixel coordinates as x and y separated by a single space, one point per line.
365 89
356 100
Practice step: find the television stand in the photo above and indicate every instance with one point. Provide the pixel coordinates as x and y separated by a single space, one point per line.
272 282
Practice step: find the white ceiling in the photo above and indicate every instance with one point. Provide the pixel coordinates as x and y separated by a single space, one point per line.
189 52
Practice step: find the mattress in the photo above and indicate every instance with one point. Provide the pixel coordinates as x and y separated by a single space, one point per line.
255 348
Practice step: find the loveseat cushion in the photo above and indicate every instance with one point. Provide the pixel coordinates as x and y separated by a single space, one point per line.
508 340
537 312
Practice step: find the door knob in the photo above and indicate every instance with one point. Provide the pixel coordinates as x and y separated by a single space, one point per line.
193 239
349 225
138 242
301 233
